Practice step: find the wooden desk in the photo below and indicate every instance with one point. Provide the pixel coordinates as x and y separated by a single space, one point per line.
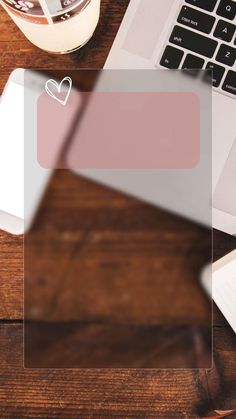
90 393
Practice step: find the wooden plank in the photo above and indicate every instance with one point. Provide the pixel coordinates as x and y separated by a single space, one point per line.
115 345
113 393
98 255
11 276
93 393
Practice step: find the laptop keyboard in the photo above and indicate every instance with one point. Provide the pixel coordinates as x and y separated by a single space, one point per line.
204 36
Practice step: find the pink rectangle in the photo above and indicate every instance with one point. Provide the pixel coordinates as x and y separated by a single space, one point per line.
124 130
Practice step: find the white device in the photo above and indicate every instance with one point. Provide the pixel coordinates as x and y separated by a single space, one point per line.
188 34
23 179
16 214
12 158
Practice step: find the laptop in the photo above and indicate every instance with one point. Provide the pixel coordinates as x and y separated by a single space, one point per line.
190 34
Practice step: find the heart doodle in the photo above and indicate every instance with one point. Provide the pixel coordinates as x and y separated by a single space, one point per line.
54 89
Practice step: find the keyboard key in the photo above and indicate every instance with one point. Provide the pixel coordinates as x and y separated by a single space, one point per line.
217 73
230 82
224 30
226 55
171 57
193 41
208 5
192 62
196 20
227 9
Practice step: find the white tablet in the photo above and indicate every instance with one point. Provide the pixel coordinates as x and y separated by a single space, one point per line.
16 213
12 155
22 178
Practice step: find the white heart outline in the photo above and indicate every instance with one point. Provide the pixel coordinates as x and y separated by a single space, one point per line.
58 87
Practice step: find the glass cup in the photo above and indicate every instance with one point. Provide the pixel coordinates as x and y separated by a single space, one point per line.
58 26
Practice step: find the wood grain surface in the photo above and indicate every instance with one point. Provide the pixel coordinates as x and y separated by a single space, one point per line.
100 393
